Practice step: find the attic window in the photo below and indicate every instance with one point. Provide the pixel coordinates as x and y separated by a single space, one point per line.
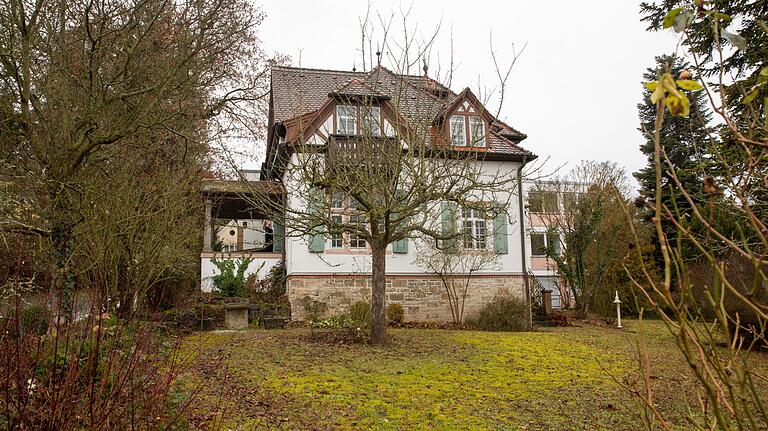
458 131
477 131
467 130
346 120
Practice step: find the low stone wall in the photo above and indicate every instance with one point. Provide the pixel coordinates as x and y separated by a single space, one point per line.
423 297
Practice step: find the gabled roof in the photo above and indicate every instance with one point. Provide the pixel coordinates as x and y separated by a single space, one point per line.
299 93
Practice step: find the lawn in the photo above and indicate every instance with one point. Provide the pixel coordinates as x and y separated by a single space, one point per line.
551 379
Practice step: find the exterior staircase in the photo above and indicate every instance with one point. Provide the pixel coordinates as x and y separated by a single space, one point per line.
540 317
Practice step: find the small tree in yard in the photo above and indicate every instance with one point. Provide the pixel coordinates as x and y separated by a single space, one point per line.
596 241
454 266
397 184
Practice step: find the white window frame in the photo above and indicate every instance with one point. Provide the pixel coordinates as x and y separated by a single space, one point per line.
458 131
346 115
355 241
337 239
546 236
477 131
371 120
335 202
475 229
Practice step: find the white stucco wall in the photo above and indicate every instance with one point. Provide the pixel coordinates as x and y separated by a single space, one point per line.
261 264
300 261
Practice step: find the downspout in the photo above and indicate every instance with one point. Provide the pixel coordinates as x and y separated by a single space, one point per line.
523 260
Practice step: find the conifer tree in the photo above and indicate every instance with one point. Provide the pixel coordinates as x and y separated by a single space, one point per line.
685 140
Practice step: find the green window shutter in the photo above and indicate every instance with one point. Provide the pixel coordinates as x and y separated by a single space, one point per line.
400 246
317 239
448 219
278 232
500 239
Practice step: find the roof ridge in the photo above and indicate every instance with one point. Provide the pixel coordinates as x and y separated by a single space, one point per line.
358 72
311 69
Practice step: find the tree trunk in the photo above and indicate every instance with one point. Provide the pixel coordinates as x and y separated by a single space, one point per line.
378 290
64 276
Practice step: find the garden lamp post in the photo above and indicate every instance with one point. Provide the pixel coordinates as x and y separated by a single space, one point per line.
618 309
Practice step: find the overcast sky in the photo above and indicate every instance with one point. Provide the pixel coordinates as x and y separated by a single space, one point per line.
573 91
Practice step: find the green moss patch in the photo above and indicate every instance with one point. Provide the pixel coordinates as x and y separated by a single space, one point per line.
425 379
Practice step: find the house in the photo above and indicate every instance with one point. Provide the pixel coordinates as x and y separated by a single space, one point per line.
321 109
548 204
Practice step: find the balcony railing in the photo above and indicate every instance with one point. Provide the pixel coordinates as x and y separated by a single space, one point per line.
362 149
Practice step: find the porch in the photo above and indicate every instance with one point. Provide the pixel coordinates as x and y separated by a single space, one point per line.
235 229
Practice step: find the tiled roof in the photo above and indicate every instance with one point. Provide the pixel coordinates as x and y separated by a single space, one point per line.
418 99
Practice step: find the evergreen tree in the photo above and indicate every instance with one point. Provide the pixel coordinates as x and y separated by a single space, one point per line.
685 140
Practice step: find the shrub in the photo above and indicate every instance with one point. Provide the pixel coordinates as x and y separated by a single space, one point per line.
502 314
99 377
210 316
360 314
395 314
230 281
34 319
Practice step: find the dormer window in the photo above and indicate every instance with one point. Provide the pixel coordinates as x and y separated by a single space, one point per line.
477 131
348 117
467 130
459 131
346 120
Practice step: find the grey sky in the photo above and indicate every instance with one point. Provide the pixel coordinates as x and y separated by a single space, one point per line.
574 90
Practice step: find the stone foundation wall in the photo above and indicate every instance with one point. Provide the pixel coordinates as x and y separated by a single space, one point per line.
423 297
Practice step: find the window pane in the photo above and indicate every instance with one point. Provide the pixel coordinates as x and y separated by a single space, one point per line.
480 234
337 239
337 200
535 202
372 120
477 131
354 203
550 202
553 241
345 120
538 244
458 131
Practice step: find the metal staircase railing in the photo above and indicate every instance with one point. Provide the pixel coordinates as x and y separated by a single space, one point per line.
536 287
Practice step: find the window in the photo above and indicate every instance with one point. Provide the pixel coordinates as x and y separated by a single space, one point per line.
346 119
475 234
571 201
553 241
541 241
538 244
477 131
337 239
542 202
458 131
354 239
371 116
337 200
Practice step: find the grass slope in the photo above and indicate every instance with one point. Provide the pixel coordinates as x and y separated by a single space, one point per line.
558 379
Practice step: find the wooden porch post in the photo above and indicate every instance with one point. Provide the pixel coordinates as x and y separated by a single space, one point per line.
208 230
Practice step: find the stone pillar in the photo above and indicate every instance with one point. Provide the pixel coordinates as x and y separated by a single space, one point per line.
208 229
546 301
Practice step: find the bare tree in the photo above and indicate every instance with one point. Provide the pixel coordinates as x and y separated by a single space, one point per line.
588 238
78 78
455 266
386 183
